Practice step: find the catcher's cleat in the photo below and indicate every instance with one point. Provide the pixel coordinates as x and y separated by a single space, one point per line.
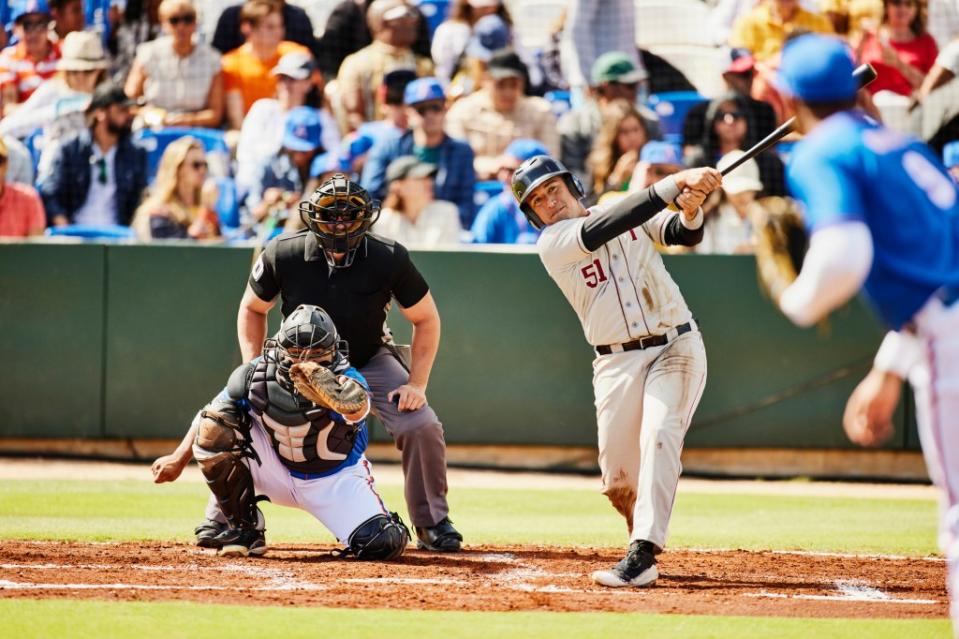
440 538
207 532
241 542
637 568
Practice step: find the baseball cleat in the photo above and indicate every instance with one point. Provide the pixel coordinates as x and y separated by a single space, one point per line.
440 538
637 568
241 542
207 532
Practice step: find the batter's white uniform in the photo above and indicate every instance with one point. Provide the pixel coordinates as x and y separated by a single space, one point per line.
645 398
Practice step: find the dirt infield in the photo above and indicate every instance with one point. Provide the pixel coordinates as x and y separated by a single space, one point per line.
481 578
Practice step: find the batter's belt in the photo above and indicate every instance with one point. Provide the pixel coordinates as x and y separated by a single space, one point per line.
650 341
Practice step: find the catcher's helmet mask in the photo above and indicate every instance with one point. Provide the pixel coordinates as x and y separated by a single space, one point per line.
534 172
339 213
306 335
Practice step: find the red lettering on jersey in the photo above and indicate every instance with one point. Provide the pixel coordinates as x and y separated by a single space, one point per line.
632 233
594 274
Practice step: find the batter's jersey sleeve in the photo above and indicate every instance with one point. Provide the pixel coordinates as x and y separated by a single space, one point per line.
561 244
263 277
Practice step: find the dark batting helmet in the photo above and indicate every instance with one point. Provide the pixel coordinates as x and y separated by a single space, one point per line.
307 335
535 171
339 213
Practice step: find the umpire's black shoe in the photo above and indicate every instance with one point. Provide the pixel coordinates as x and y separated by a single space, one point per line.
206 533
241 542
442 537
637 568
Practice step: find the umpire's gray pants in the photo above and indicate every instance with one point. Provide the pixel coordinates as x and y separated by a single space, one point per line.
419 438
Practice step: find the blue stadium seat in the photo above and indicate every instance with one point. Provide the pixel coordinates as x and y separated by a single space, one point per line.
155 142
671 107
485 190
435 12
560 101
31 143
227 206
92 232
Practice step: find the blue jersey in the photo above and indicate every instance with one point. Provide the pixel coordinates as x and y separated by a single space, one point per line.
849 169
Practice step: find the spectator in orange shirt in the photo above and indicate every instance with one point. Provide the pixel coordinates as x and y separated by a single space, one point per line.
25 65
21 211
246 69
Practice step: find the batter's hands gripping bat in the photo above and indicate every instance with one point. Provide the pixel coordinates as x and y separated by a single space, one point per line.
864 74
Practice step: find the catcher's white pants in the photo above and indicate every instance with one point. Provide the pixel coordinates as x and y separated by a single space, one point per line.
644 403
935 383
341 501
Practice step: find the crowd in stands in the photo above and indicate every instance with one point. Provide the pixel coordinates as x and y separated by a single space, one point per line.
130 119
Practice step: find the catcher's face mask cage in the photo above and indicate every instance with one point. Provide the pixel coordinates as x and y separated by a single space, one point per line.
534 172
306 335
339 213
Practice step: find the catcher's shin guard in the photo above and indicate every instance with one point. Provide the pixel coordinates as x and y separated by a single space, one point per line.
379 537
220 449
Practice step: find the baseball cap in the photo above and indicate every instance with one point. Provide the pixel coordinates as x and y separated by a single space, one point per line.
107 94
490 33
745 177
408 166
658 152
327 163
302 130
21 8
423 90
616 66
738 60
398 12
950 154
296 64
525 148
505 64
816 68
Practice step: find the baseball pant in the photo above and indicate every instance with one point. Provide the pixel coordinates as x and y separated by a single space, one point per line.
419 438
341 501
935 383
645 400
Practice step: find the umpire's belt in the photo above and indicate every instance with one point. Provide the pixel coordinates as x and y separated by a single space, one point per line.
649 341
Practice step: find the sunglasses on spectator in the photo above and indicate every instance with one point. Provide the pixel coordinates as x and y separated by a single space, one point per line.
423 109
186 18
34 25
730 116
200 164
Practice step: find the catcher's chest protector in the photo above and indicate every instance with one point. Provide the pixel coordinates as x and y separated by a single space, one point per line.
304 436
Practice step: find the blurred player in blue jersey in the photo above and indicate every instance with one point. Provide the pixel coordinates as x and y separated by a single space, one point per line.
883 217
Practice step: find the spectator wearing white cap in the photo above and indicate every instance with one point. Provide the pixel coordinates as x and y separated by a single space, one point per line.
727 228
261 135
178 78
411 214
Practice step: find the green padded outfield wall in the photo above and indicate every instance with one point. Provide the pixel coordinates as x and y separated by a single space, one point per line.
136 338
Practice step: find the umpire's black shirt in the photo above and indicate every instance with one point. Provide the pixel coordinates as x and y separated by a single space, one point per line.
357 297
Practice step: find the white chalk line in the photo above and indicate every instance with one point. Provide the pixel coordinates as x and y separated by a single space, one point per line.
15 585
849 590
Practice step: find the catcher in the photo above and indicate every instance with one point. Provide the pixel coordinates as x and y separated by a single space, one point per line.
290 427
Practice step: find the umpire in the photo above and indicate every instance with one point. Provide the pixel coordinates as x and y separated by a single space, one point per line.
337 264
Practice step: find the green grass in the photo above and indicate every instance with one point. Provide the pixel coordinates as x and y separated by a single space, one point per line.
133 510
26 619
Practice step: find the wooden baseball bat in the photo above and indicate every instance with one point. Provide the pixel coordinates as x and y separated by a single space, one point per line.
864 74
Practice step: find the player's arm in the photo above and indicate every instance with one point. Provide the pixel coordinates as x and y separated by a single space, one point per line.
354 375
425 318
637 208
833 271
261 292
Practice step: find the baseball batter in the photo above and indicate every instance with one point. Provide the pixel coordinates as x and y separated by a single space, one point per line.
263 436
883 217
650 366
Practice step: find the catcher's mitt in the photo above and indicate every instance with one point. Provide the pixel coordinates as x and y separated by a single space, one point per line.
324 388
781 243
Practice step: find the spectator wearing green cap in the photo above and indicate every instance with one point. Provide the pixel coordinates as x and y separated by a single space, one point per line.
614 76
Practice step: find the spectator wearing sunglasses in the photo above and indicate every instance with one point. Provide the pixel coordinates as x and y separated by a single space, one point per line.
426 140
97 176
178 78
181 201
25 65
729 124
